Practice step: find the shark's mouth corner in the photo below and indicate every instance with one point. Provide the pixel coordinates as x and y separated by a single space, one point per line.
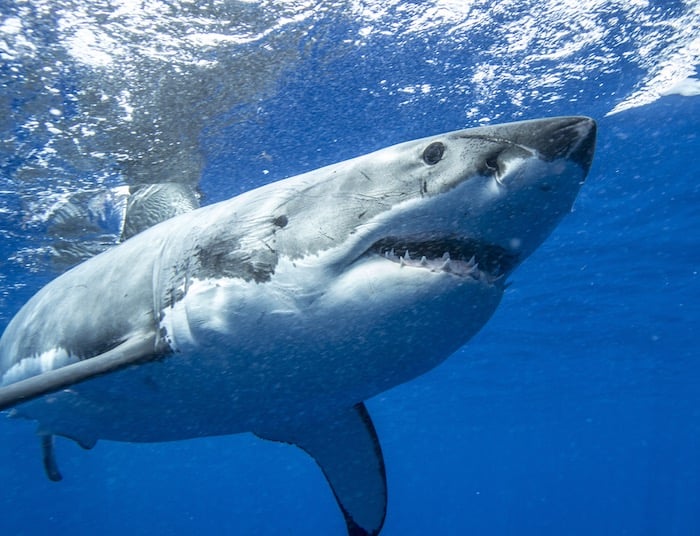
461 257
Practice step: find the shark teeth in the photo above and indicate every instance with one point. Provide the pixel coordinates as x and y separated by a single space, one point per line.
445 264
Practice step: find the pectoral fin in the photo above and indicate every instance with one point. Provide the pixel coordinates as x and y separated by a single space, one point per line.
347 450
136 349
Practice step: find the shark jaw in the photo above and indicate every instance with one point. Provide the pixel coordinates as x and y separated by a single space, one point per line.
482 262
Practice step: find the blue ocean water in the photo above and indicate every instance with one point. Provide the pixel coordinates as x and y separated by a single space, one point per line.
576 410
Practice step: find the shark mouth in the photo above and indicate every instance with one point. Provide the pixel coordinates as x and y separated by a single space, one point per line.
460 257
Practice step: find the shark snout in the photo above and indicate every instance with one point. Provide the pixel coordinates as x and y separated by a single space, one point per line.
572 138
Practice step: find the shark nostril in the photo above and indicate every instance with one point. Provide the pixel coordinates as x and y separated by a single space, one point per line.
492 164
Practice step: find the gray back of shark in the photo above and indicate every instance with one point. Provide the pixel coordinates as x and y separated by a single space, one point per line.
279 311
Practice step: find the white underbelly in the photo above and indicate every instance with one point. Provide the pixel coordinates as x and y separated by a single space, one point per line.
273 368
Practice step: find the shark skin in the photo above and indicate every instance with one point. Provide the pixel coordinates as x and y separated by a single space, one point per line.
278 312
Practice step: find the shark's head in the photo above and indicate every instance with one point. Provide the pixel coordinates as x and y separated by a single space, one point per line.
470 204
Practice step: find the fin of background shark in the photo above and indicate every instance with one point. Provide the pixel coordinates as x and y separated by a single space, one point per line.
88 222
150 204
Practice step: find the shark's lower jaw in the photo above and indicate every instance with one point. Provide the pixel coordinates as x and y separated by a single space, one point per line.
459 257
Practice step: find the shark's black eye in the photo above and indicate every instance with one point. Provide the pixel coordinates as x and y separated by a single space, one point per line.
433 153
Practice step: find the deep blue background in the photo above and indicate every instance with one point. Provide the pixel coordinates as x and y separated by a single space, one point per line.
575 411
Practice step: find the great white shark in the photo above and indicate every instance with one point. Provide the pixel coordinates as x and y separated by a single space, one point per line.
280 311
